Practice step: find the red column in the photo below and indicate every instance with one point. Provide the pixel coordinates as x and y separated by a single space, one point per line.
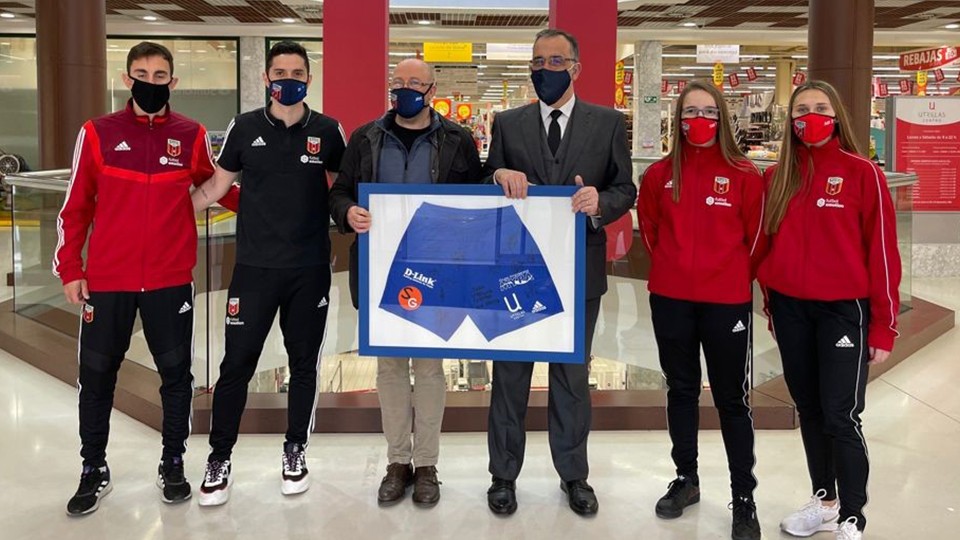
355 47
594 24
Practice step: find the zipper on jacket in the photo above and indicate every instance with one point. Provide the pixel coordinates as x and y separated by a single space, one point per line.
146 211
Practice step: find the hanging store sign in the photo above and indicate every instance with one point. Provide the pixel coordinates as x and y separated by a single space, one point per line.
619 99
751 74
681 85
460 53
927 59
718 75
713 54
938 75
664 86
921 83
509 51
464 111
734 80
883 90
799 78
904 85
443 107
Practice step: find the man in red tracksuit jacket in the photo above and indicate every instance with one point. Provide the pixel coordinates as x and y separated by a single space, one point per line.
132 175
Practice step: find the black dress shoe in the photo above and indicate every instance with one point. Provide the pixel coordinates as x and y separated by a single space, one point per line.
581 497
502 496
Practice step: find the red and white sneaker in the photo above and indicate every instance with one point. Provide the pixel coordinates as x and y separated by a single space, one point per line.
215 489
295 474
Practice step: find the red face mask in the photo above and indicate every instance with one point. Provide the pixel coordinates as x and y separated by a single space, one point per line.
813 128
699 130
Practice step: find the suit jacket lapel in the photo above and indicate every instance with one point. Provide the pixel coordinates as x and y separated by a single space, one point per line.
579 126
532 126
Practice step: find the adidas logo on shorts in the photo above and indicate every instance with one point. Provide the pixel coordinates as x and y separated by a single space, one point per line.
322 303
538 307
844 343
185 308
739 327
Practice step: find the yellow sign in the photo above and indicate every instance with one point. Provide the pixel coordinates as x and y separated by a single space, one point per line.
619 98
921 83
464 111
460 53
442 106
619 73
718 75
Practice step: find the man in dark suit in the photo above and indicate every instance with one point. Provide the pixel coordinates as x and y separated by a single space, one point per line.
559 140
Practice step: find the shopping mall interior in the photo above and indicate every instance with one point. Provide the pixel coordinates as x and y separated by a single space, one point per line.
62 61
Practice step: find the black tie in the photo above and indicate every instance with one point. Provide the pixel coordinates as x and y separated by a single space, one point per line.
553 134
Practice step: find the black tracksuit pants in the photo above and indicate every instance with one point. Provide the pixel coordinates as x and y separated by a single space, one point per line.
106 326
254 297
823 346
681 327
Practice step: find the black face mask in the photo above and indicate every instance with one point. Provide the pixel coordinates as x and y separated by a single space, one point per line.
152 98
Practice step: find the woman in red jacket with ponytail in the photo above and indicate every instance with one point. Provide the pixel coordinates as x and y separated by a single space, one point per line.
701 214
830 281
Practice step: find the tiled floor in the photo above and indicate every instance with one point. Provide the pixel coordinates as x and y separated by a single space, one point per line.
912 424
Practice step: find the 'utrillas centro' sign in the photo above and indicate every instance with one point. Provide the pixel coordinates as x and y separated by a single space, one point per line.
927 59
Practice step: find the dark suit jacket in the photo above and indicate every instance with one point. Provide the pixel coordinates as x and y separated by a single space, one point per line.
597 151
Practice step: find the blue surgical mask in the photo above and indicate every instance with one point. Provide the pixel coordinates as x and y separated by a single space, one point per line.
550 85
288 91
409 102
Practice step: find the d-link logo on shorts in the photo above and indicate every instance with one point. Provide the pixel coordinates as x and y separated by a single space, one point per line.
419 278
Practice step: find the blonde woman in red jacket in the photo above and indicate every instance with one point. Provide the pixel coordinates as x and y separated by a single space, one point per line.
701 214
831 281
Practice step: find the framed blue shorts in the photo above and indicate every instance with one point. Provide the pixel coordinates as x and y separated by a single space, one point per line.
461 272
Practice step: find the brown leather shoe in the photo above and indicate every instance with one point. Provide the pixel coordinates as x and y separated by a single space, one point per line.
394 485
426 487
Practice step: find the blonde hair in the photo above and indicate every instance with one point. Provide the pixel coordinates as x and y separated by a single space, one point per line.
728 147
786 180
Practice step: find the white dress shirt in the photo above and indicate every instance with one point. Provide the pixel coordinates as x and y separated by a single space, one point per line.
567 110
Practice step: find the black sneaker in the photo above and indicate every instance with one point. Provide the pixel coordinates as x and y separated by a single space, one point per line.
94 485
681 493
745 523
294 479
173 485
215 489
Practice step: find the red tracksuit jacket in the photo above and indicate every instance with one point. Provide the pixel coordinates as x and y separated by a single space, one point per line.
131 180
706 247
838 239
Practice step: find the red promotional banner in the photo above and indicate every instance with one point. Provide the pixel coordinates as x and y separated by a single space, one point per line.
681 85
443 106
734 80
799 78
938 75
927 59
883 90
904 85
664 86
751 74
628 77
927 136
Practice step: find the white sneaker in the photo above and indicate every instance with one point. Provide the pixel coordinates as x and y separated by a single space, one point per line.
295 477
848 530
215 489
812 518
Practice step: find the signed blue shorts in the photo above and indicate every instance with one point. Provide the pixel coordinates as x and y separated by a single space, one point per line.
455 263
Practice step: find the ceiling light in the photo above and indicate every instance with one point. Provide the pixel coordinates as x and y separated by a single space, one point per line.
288 20
6 15
149 18
689 24
678 55
952 26
424 22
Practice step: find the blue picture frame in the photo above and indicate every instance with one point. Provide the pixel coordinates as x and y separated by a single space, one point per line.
577 356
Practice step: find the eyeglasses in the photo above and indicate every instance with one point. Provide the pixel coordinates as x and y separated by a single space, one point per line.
554 62
713 113
415 84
